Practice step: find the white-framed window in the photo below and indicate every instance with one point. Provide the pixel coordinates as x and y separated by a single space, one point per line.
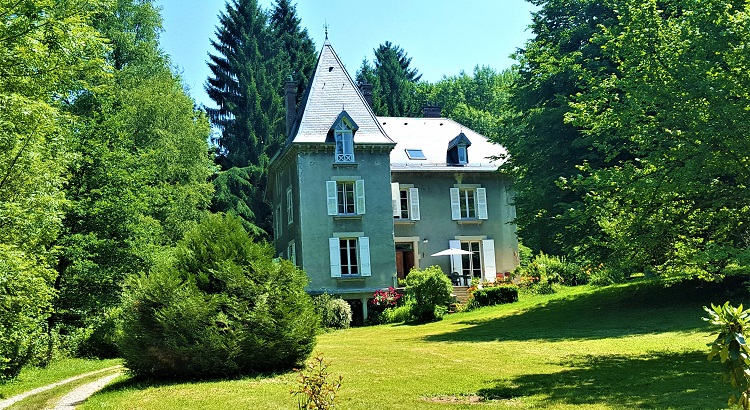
463 157
289 206
344 138
350 256
405 202
468 203
480 263
291 252
346 197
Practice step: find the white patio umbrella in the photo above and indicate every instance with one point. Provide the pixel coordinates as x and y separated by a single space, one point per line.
451 252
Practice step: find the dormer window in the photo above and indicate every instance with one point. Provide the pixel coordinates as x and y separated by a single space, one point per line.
458 150
462 157
343 130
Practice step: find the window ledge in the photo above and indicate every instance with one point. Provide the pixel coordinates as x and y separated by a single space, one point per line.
351 278
469 221
345 217
403 221
345 165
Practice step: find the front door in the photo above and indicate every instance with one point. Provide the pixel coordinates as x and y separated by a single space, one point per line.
404 258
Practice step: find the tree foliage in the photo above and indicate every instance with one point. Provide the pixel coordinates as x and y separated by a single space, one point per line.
45 47
394 82
222 306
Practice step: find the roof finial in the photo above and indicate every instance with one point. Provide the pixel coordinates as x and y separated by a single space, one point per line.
325 26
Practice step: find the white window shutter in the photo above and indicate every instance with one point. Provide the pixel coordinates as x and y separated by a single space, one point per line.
414 204
455 204
333 206
395 199
289 206
481 203
293 254
364 256
333 247
456 265
488 258
359 192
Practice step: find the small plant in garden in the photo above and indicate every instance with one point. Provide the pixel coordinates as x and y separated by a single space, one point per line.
732 350
430 290
315 390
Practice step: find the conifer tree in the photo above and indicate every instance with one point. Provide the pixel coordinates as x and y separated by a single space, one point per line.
246 86
395 82
296 43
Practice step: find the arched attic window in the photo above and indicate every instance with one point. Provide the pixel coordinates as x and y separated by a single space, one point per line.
343 130
458 150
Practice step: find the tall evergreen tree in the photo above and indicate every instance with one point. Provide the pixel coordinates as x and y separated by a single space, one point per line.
296 43
245 83
395 87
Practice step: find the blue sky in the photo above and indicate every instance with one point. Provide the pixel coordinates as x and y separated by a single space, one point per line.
443 37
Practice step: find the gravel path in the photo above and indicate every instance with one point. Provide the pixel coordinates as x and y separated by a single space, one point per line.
15 399
81 393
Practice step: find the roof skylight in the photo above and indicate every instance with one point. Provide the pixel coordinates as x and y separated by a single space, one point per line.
415 154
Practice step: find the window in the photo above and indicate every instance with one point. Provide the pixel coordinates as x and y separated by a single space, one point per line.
343 130
468 203
344 145
346 198
415 154
480 263
289 206
349 256
405 202
462 157
291 252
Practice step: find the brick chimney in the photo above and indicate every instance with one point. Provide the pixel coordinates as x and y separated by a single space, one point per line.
366 90
290 101
432 110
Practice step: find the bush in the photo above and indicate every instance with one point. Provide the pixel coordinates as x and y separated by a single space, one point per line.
221 307
545 270
397 314
430 290
495 295
334 313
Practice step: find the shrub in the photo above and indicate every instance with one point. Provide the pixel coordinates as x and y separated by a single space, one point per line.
314 389
731 349
221 307
495 295
430 290
334 313
384 299
397 314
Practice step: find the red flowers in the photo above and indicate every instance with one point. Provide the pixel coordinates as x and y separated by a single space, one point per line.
383 299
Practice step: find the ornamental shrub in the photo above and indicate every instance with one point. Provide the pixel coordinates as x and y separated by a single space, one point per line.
430 290
334 313
494 295
220 306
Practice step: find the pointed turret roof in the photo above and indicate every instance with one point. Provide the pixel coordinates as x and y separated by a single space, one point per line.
331 91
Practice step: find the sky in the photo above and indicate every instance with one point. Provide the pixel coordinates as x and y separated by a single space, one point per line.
443 37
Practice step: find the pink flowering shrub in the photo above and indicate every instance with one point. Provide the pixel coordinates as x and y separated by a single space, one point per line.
384 299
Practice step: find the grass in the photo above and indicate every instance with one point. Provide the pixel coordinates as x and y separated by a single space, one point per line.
33 377
638 345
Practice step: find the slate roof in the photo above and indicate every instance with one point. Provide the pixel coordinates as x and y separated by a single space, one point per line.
331 91
432 136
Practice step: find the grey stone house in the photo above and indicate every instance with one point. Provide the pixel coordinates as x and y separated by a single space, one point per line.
359 200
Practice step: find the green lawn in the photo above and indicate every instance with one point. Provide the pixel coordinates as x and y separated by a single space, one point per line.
638 345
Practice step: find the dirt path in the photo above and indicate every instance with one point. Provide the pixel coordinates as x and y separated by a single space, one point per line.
81 393
15 399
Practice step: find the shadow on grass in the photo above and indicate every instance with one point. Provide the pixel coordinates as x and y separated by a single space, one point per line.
655 381
637 308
